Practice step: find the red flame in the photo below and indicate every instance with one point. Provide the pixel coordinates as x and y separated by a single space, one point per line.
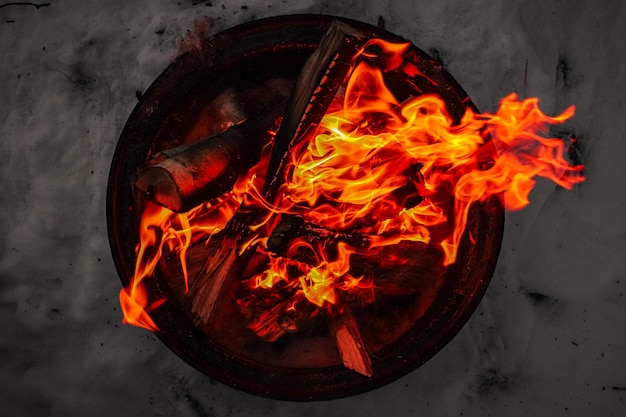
375 167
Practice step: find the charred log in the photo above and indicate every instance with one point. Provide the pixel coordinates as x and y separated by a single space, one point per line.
183 177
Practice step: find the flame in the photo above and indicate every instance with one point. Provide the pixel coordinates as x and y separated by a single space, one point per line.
376 168
161 229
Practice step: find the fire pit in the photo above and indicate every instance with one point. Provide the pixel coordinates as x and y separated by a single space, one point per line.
236 75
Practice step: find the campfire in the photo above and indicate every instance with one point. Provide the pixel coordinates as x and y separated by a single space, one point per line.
347 195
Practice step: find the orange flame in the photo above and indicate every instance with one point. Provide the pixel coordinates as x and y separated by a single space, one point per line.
376 167
160 227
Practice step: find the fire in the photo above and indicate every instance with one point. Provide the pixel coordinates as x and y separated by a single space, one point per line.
161 231
374 173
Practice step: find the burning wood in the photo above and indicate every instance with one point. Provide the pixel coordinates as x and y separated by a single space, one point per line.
323 73
399 270
295 227
362 196
183 177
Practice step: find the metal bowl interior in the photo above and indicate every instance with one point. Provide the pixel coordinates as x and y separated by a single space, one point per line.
244 56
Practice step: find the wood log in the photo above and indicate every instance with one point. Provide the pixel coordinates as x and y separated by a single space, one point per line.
322 75
183 177
345 331
229 108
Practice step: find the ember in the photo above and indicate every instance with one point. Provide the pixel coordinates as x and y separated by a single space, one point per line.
382 181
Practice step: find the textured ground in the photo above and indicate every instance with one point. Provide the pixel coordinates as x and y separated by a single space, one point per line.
548 338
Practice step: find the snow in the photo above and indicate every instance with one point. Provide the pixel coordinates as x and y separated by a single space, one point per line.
547 339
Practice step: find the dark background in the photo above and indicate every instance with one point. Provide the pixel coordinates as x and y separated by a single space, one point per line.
547 339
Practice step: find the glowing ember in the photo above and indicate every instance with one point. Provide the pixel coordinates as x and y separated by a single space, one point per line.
376 172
